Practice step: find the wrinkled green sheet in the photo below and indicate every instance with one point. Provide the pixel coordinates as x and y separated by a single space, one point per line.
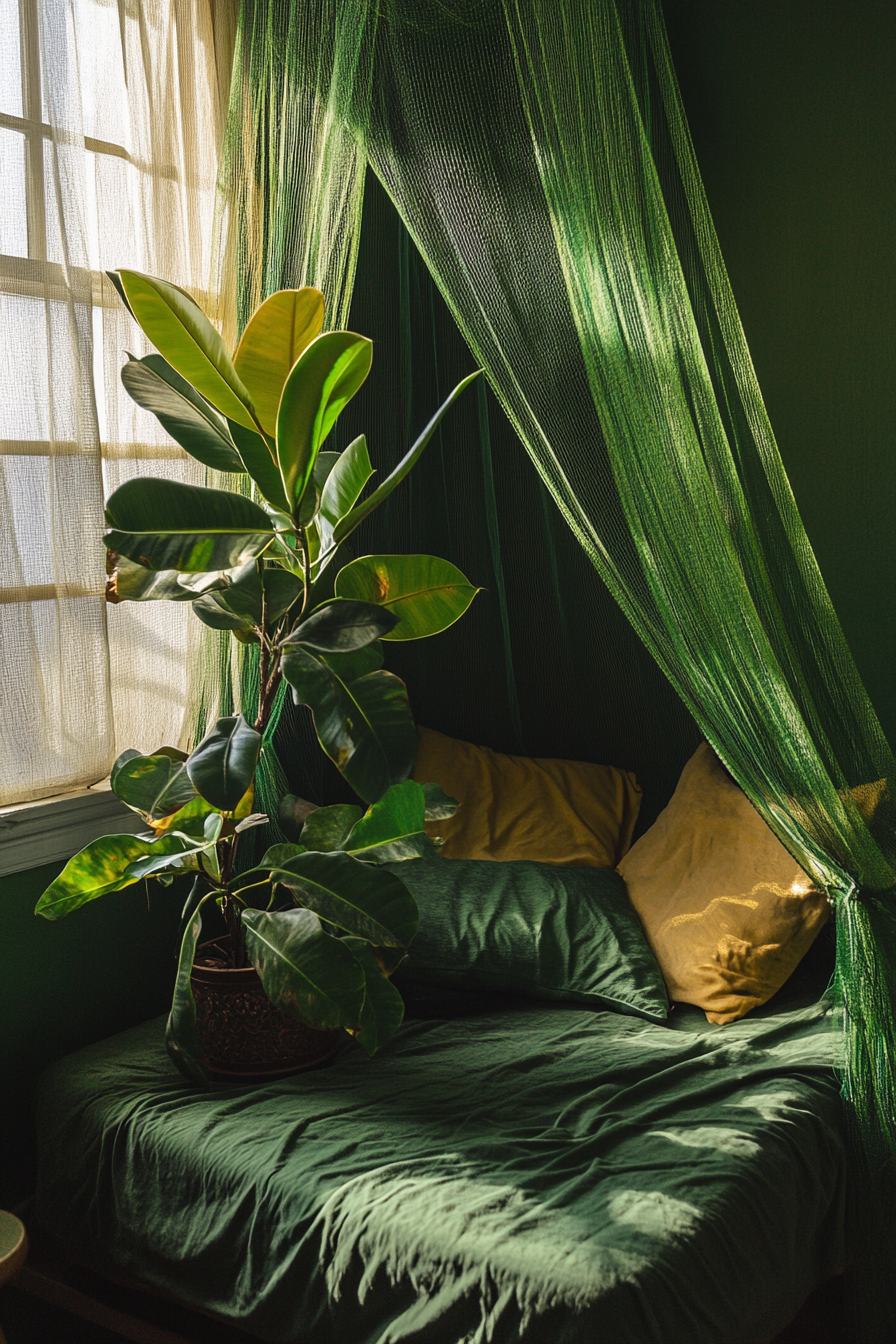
538 1173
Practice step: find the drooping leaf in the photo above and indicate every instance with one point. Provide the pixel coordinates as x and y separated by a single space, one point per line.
306 972
365 725
383 1010
343 626
392 828
183 335
343 488
179 853
129 582
368 902
276 335
426 594
325 377
181 1038
187 417
168 525
327 827
155 785
439 804
350 521
223 765
258 458
100 868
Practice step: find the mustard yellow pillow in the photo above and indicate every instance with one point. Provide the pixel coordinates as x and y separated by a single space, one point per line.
727 911
516 807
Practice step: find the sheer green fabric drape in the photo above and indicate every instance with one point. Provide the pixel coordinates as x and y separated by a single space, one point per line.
540 160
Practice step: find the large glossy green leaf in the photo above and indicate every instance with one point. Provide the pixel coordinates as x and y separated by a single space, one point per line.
187 417
100 868
359 663
365 725
321 382
343 488
342 626
154 785
383 1010
425 593
183 335
258 458
223 765
306 972
167 525
392 828
323 465
368 902
327 828
181 1038
276 335
350 521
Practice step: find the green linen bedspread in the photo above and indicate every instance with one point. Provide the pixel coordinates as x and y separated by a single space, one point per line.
533 1173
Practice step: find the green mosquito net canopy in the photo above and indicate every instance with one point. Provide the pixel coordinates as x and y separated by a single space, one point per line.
513 183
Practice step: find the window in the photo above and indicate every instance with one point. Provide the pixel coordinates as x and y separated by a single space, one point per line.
108 151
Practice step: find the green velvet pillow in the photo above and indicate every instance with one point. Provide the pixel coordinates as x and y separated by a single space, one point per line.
538 929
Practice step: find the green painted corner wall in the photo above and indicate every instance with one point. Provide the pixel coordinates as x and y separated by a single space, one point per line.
66 984
793 117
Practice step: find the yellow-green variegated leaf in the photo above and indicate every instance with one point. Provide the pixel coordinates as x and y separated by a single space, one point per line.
182 333
106 865
277 334
425 593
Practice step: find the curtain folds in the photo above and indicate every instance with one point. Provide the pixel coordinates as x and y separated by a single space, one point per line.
119 116
540 160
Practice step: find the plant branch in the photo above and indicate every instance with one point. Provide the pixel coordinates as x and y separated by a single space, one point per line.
306 568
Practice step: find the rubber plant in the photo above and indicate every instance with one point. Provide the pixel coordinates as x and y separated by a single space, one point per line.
323 923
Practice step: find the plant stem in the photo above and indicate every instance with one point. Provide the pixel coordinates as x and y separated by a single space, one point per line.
232 918
306 567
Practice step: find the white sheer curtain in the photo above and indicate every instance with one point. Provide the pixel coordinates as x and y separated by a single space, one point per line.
110 113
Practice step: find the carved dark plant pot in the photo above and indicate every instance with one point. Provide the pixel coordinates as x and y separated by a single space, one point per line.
244 1038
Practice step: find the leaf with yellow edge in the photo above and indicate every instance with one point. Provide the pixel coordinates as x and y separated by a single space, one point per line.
183 335
277 334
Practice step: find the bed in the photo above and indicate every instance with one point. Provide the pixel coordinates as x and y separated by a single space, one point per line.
526 1171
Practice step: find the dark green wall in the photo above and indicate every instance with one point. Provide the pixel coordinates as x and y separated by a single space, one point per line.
791 108
66 984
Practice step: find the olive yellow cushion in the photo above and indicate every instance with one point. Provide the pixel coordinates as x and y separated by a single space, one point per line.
727 911
516 807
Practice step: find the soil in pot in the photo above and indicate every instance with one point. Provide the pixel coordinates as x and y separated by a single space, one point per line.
244 1037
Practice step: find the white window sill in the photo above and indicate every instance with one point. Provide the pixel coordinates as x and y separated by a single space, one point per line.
32 834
